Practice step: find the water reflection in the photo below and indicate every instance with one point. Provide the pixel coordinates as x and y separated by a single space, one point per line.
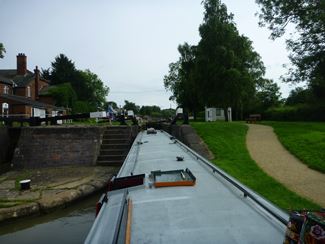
69 225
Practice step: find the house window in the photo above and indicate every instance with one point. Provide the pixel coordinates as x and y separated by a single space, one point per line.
28 91
5 109
218 112
5 90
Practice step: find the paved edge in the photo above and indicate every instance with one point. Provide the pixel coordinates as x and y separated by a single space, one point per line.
269 154
57 200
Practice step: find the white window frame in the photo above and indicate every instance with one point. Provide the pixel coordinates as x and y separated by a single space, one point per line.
29 91
5 90
5 109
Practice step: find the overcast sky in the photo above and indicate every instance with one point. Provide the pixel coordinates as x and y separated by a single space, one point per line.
127 43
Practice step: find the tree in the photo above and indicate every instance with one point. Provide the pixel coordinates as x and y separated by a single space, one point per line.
62 70
89 89
298 95
46 74
268 95
168 113
181 79
149 110
2 50
307 45
63 94
131 106
222 70
228 69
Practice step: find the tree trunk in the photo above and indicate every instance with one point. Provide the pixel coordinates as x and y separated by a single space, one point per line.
226 113
185 116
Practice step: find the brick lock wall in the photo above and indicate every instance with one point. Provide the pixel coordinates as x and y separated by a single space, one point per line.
57 146
8 141
4 144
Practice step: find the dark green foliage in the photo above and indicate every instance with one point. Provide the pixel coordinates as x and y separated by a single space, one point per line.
82 107
268 95
299 96
63 94
300 112
91 89
222 70
46 74
168 113
228 69
2 50
305 140
88 89
131 106
62 70
149 110
307 45
181 79
227 142
156 112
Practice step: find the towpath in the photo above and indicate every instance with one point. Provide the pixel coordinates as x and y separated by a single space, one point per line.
265 148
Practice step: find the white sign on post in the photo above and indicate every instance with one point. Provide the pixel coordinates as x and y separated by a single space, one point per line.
101 114
229 114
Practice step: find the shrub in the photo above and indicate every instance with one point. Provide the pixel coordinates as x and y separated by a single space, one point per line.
300 112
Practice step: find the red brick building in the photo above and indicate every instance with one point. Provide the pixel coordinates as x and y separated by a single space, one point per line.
20 92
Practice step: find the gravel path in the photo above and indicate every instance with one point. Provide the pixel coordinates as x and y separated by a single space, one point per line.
265 148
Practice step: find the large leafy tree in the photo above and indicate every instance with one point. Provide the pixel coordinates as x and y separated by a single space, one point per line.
268 95
92 89
227 68
181 79
222 70
307 45
64 95
89 90
62 70
131 106
2 50
149 110
299 95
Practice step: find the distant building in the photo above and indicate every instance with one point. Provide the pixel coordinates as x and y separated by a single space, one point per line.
21 92
213 114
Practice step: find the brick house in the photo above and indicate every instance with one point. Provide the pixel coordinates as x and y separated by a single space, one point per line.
20 92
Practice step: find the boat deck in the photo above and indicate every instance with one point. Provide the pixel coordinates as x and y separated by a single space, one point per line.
211 211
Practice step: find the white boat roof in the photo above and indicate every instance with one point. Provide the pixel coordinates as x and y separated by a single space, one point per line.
211 211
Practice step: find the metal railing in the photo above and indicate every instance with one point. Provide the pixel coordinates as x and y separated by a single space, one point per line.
247 193
35 121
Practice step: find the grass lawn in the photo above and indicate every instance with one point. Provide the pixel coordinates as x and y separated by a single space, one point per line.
227 142
305 140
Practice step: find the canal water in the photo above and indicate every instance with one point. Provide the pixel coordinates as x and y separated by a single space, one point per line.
69 225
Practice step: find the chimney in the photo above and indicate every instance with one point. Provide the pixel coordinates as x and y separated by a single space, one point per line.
37 77
21 64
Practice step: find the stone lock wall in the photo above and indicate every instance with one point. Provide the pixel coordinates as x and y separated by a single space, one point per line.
4 144
8 141
187 135
57 146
